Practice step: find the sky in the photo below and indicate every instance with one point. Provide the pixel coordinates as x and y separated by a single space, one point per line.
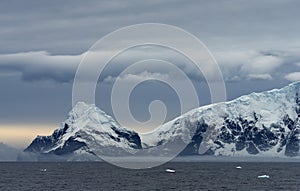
256 44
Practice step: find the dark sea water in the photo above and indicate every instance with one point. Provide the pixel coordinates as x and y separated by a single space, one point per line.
188 176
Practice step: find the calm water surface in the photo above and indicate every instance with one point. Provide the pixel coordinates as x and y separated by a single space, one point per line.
188 176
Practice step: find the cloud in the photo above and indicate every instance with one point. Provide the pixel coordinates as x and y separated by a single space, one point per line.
235 65
75 30
261 64
66 35
293 77
249 61
131 78
250 64
260 77
233 79
258 64
39 66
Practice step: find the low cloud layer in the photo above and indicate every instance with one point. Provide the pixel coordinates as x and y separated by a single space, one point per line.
235 66
260 77
40 66
47 43
293 77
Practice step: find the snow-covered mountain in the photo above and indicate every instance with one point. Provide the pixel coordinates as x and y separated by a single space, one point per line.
264 124
85 135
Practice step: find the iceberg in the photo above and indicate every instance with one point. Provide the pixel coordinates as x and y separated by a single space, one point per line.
170 170
263 176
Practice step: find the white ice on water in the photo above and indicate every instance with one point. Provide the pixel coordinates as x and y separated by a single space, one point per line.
263 176
170 170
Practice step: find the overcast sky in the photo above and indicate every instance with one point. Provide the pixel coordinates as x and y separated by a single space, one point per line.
256 44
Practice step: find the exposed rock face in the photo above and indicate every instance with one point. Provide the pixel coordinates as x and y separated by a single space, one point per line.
264 124
292 140
87 133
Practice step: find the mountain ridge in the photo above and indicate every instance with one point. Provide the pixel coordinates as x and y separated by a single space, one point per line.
258 124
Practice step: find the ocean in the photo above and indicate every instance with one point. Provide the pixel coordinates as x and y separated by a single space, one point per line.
188 176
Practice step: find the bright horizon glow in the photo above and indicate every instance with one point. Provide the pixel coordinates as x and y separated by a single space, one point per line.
20 136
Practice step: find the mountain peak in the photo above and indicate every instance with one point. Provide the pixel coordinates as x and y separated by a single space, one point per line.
80 109
87 133
263 124
81 106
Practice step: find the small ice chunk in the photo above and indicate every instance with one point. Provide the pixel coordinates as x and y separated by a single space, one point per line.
170 170
238 167
263 176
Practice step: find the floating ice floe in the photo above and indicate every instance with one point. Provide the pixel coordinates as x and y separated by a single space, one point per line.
238 167
170 170
263 176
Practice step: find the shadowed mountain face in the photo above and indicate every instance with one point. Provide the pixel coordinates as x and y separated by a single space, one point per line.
87 133
262 124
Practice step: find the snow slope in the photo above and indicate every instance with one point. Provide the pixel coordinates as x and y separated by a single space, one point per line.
258 124
86 134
